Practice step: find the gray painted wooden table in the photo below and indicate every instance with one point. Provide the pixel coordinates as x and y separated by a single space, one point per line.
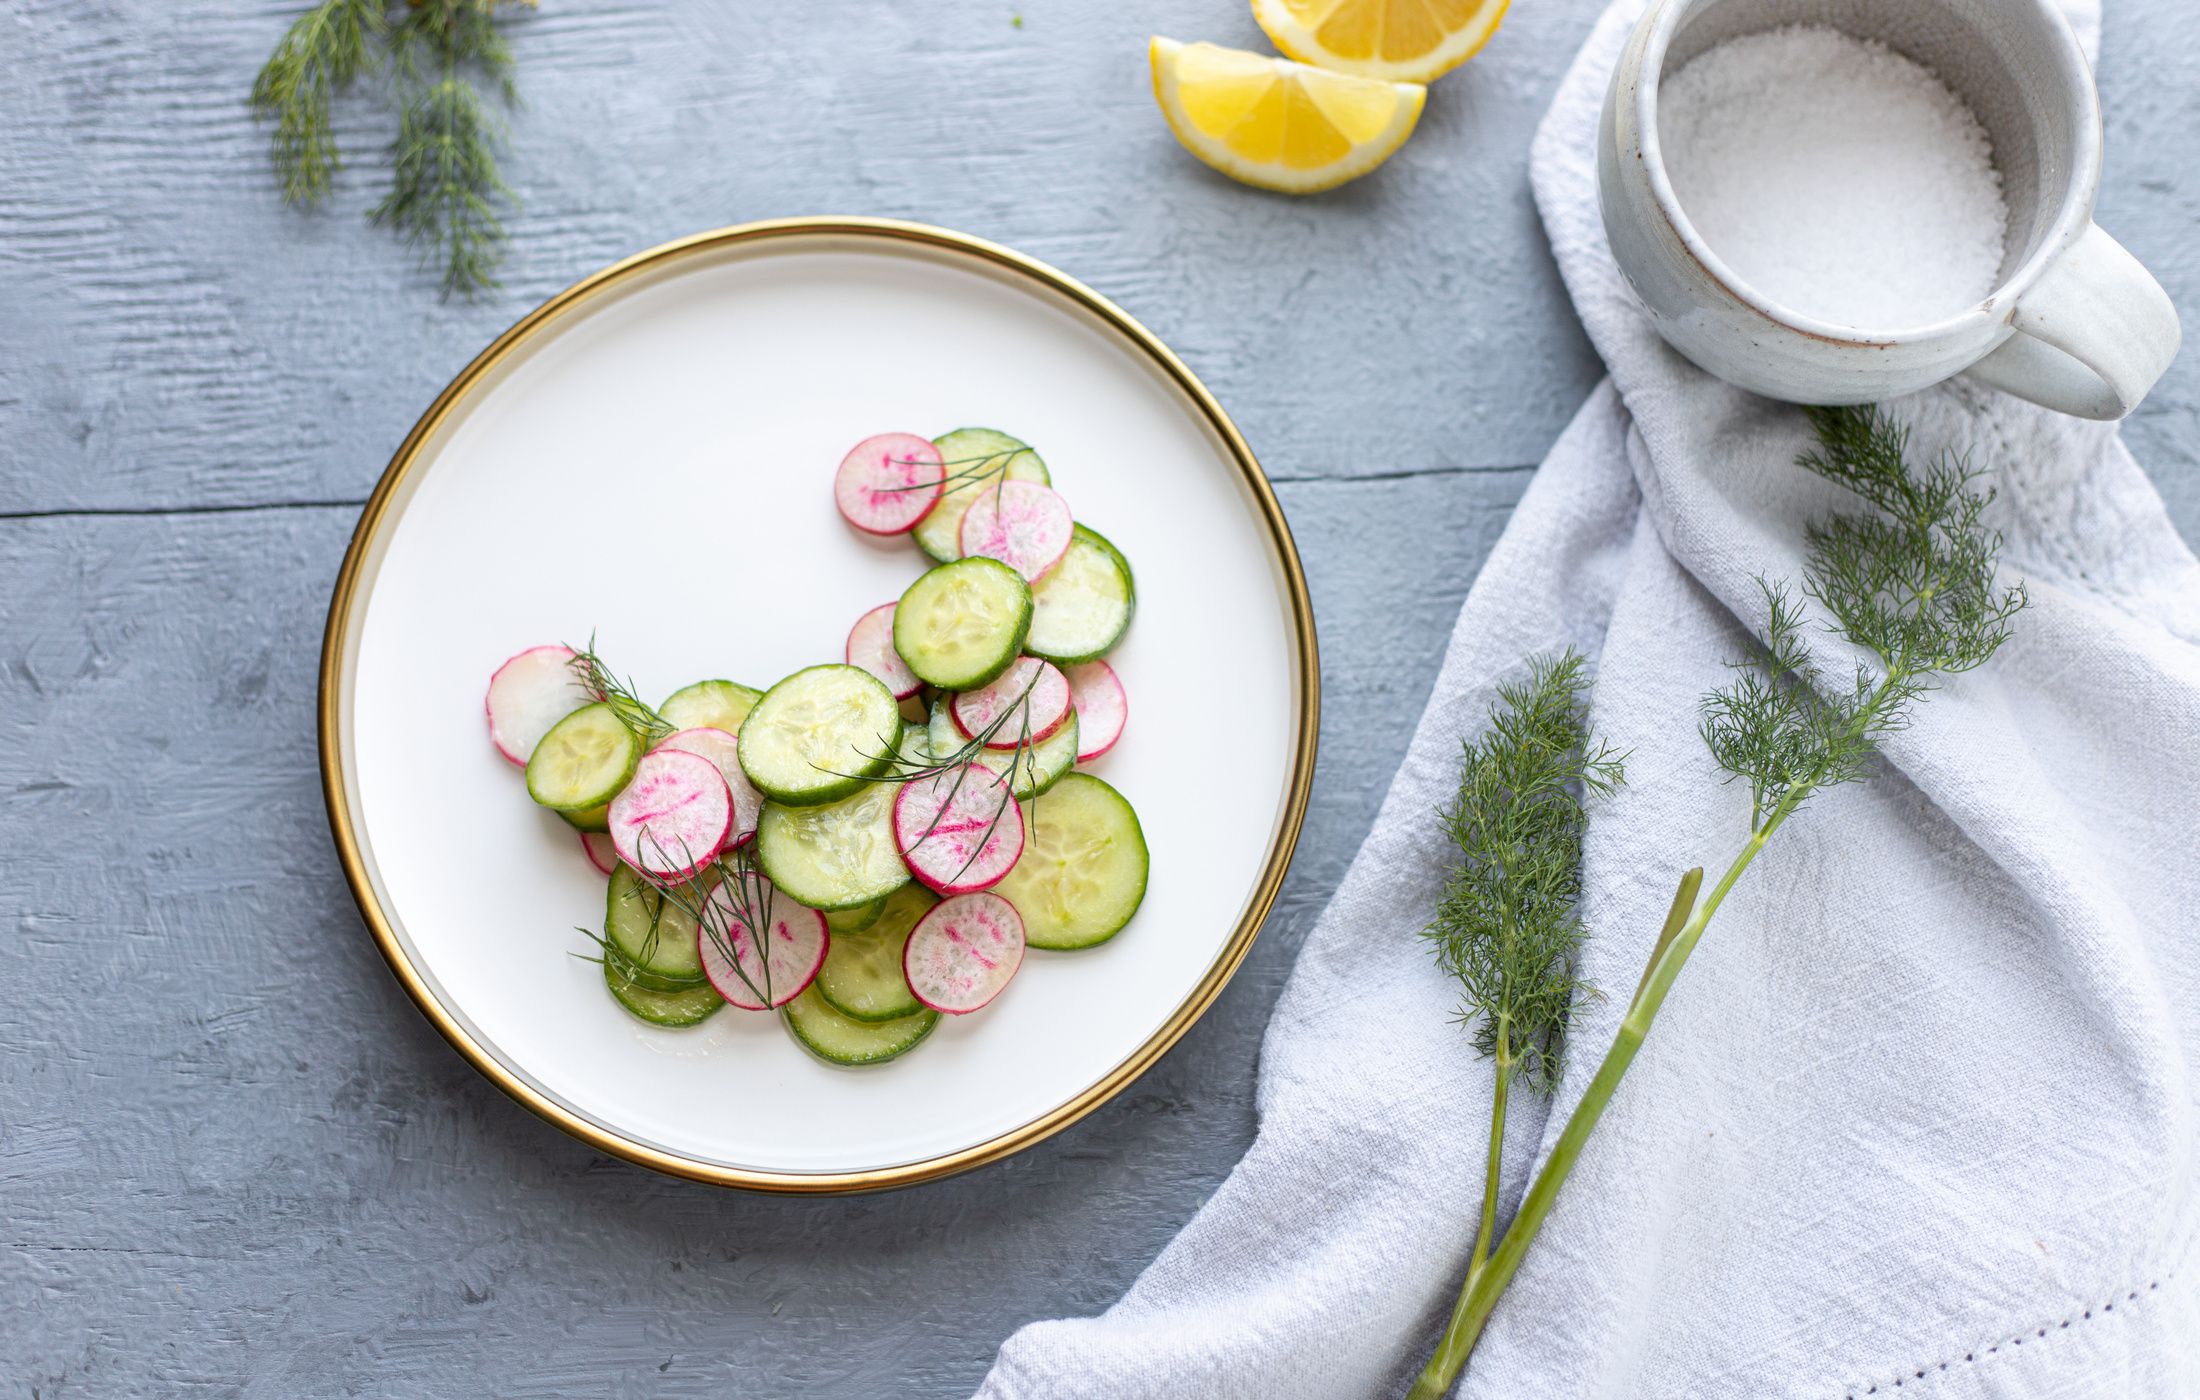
233 1160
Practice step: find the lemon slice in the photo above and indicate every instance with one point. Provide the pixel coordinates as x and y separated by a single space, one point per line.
1405 41
1278 124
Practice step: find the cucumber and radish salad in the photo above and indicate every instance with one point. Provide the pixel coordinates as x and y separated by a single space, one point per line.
874 842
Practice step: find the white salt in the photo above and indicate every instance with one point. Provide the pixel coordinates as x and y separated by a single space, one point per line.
1835 177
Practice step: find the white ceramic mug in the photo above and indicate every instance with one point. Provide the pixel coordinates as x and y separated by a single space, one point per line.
2076 323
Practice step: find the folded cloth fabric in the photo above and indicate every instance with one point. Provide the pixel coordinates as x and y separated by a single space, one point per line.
1919 1117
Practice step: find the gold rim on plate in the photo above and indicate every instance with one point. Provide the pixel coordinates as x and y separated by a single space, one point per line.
990 256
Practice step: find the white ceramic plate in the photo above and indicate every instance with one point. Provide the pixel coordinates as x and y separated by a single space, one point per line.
648 458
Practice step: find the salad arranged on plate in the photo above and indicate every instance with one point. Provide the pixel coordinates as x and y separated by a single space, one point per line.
872 843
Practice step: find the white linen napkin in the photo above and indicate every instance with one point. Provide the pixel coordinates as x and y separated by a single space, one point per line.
1918 1118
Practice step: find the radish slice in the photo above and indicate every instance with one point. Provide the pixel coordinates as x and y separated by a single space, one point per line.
527 695
960 830
871 646
1028 683
673 817
1021 523
723 750
796 947
886 484
963 951
1102 707
597 846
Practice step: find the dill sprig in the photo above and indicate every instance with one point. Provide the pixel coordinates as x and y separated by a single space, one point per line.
1909 584
445 186
322 52
600 681
1506 926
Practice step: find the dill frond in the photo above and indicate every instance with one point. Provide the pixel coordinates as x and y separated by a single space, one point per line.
599 680
444 182
1506 926
323 51
1910 582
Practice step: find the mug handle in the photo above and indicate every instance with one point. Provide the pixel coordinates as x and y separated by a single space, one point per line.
2092 335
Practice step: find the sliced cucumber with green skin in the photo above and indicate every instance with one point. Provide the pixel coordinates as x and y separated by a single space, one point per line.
583 762
841 1040
1040 767
819 735
942 739
862 975
1084 606
841 922
685 1007
593 819
840 855
916 743
655 935
972 450
1083 871
962 624
710 705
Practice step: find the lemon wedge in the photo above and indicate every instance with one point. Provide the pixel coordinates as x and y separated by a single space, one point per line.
1278 124
1405 41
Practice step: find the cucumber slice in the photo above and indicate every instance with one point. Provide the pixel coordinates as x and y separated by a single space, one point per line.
962 624
655 934
838 1040
1082 608
942 740
681 1008
1083 871
916 743
862 975
819 735
710 705
974 451
837 856
593 819
1039 768
841 922
583 761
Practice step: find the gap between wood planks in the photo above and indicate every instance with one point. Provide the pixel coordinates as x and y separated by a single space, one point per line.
126 512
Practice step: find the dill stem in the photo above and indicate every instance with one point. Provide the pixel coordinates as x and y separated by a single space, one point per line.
1497 1148
1487 1284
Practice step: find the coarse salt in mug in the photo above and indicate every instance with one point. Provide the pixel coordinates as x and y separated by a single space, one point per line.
2073 322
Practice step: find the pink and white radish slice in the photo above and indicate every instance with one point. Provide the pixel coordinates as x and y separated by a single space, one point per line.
674 815
1102 707
871 647
959 830
886 484
963 951
794 951
528 694
596 845
1021 523
1028 682
724 750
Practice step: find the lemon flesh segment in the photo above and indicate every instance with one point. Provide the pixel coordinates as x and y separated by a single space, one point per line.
1278 124
1408 41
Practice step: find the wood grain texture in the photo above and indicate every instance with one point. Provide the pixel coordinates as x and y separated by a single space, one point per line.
233 1160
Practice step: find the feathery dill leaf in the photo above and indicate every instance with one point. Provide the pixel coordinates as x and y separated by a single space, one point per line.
599 680
445 186
1911 582
1506 926
323 51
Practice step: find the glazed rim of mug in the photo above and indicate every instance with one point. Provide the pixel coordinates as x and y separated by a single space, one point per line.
2053 232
